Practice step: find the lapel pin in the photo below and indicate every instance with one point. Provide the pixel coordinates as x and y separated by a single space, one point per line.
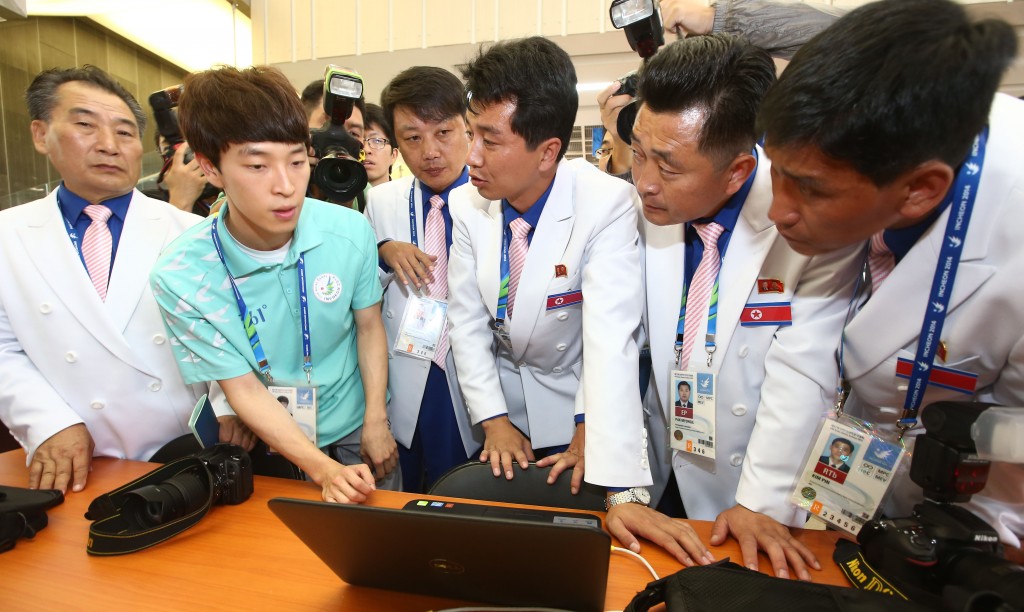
560 271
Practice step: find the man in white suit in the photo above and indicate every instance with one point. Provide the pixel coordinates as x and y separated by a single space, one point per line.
427 108
914 133
767 334
544 278
85 366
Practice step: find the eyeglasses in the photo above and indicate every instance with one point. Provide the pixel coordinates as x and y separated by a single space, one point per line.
598 154
376 143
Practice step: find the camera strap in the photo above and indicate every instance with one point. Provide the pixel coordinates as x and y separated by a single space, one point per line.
112 532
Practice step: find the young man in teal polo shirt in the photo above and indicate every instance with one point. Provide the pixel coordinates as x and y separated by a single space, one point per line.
279 294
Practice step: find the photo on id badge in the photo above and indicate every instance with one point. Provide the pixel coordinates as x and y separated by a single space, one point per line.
300 402
846 475
692 428
422 323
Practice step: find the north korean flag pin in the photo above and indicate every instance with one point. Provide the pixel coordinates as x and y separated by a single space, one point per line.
560 271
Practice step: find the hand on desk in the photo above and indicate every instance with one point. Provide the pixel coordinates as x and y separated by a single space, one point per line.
234 431
408 262
626 521
755 531
503 444
64 457
571 458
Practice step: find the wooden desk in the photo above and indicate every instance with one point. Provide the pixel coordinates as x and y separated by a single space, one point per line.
242 557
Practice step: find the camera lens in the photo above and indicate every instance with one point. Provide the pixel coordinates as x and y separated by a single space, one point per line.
177 496
340 176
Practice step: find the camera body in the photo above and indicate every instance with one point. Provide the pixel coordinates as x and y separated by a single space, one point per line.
339 173
943 554
230 470
164 103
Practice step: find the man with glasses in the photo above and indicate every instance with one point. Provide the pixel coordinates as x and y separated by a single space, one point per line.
378 145
426 109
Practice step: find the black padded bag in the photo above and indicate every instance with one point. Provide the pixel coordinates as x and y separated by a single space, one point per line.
23 513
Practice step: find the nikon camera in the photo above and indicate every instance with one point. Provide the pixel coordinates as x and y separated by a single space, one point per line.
339 174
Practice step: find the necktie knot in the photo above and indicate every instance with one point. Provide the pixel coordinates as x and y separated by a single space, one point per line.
709 234
98 213
436 202
520 228
881 261
877 244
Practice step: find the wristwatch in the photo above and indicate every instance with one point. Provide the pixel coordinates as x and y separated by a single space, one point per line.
636 495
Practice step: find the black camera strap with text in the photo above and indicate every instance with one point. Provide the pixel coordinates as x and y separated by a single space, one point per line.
112 534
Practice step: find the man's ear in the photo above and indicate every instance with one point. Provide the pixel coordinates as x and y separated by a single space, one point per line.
212 173
549 150
39 129
926 186
739 170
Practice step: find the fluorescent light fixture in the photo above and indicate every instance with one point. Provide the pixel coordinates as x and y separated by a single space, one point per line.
192 34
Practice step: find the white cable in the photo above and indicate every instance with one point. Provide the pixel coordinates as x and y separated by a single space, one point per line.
642 560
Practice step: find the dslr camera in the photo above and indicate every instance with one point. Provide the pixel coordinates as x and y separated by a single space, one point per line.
339 174
944 555
223 475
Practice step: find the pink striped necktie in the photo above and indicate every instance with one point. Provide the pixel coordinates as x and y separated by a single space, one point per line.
881 261
435 243
517 250
698 294
97 246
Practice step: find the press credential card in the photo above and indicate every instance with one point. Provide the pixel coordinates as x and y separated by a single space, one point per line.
692 428
422 323
846 475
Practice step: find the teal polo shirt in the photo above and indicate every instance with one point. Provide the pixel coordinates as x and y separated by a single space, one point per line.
202 317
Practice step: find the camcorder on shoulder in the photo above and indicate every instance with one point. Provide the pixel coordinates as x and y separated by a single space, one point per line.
944 555
168 500
339 173
164 104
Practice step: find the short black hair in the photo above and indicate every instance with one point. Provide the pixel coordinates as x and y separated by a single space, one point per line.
891 85
226 106
842 441
41 95
681 383
432 94
722 75
535 74
375 116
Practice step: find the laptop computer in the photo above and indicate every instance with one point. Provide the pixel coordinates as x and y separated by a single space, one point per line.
459 552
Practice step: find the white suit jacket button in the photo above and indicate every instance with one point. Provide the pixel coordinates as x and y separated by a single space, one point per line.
71 357
155 386
159 339
560 346
556 370
743 351
563 316
739 410
96 405
736 459
45 308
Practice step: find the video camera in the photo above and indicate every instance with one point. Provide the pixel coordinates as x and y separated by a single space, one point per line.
641 21
339 173
943 554
164 103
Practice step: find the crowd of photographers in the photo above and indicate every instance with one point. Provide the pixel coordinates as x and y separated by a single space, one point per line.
496 303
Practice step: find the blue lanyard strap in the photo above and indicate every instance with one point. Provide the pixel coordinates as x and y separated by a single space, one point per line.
412 214
246 315
961 198
499 316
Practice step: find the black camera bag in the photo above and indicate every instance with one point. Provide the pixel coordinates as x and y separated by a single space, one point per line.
113 534
23 513
725 586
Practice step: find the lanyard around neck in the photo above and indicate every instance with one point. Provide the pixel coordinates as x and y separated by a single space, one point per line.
250 327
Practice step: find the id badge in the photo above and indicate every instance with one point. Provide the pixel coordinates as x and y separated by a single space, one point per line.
692 426
422 324
501 335
847 473
300 402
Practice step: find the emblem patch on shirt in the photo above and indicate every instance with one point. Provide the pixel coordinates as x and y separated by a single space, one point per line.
561 300
778 313
327 287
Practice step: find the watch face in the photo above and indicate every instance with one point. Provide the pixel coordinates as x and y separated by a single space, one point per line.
643 495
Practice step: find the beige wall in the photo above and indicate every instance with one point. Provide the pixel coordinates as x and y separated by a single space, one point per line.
37 43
